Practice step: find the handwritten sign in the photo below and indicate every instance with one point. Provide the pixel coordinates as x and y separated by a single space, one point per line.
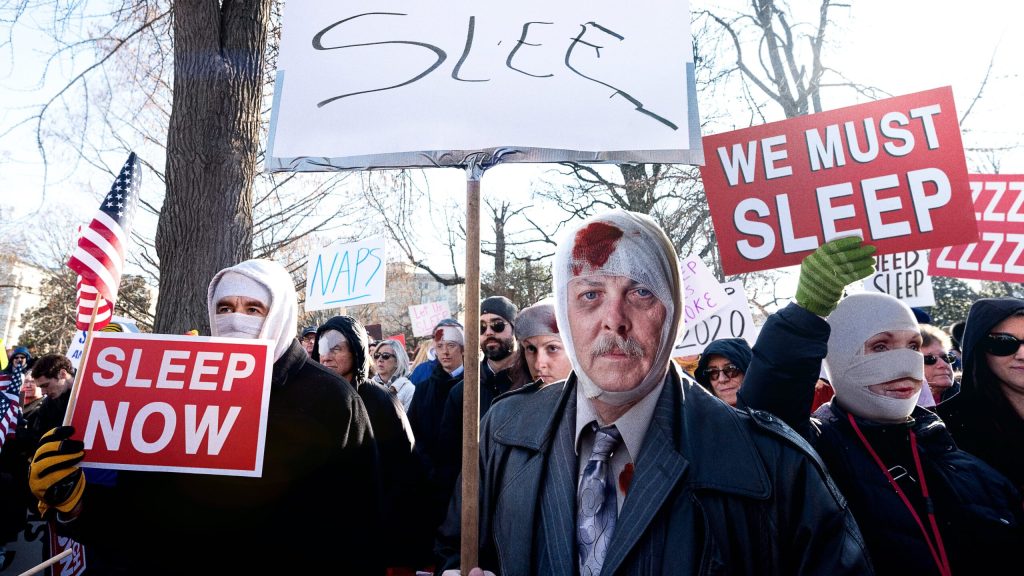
178 403
345 274
903 275
892 172
703 295
426 316
731 320
999 253
391 83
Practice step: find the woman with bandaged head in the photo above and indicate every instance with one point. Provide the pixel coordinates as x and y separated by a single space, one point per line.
542 356
319 469
923 505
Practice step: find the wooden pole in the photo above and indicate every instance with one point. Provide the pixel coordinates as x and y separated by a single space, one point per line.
471 383
40 567
73 398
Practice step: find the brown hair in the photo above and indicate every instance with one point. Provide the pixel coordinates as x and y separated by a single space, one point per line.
49 366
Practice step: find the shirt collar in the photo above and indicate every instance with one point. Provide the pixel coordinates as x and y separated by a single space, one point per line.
458 371
632 425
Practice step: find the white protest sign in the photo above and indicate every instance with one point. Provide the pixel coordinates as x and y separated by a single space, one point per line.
426 316
903 275
391 83
703 295
77 348
732 320
345 274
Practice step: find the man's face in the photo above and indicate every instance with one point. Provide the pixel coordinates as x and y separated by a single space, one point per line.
616 328
241 305
449 355
54 387
340 360
307 342
496 344
1009 369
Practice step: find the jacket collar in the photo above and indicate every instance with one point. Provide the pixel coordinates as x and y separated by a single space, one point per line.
688 420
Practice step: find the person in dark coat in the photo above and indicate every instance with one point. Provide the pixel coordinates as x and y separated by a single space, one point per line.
687 486
721 367
923 505
316 503
986 417
342 345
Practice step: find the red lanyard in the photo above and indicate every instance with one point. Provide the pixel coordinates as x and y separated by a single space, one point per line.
940 555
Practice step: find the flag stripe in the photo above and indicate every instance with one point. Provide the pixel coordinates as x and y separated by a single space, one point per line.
102 274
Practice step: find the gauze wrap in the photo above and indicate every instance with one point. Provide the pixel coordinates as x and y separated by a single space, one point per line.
282 304
329 339
857 318
537 320
620 243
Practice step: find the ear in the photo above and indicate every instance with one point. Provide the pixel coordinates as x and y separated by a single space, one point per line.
63 374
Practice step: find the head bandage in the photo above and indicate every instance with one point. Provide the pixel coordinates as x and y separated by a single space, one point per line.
621 243
856 319
537 320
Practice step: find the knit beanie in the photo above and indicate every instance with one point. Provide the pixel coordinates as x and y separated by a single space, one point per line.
537 320
621 243
501 306
856 319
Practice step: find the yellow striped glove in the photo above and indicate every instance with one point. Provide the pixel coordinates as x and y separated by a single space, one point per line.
54 476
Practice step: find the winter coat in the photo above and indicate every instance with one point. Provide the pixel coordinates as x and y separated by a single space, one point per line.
977 509
715 491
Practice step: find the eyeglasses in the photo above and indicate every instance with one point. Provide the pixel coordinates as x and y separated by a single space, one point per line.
1002 344
383 355
931 359
497 326
729 370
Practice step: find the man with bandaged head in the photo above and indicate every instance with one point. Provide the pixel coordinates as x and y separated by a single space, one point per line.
923 505
631 467
319 468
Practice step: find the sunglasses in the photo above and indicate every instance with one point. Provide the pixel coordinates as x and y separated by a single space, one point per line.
730 372
1002 344
383 355
497 326
931 359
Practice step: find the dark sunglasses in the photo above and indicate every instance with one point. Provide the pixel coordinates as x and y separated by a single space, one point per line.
1002 344
931 359
497 326
730 372
383 355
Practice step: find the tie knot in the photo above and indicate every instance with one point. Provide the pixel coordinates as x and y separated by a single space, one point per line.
605 441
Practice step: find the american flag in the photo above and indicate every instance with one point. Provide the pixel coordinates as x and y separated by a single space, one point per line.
10 403
99 256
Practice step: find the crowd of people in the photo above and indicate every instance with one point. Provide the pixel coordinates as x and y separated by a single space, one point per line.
851 438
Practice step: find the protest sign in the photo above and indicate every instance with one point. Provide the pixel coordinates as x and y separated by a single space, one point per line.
387 83
892 172
176 403
730 320
999 252
902 275
703 295
72 563
425 316
77 348
398 337
344 274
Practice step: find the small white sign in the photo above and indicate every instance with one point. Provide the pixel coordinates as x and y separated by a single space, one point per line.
903 275
733 320
77 348
345 275
703 295
426 316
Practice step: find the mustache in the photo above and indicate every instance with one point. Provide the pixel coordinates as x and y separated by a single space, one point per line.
611 342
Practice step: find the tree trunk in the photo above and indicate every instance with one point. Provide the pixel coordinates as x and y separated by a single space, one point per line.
212 144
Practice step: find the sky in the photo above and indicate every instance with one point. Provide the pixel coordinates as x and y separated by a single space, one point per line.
900 47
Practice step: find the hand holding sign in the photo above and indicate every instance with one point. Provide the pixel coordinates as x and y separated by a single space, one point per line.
827 271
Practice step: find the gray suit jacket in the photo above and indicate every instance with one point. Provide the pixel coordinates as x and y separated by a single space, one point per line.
715 491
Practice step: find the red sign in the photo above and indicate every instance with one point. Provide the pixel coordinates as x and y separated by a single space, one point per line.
891 171
999 252
72 564
178 403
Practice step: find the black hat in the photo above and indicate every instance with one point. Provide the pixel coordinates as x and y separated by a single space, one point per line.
308 330
501 306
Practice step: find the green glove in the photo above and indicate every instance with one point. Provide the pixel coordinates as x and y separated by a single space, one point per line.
54 476
826 271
